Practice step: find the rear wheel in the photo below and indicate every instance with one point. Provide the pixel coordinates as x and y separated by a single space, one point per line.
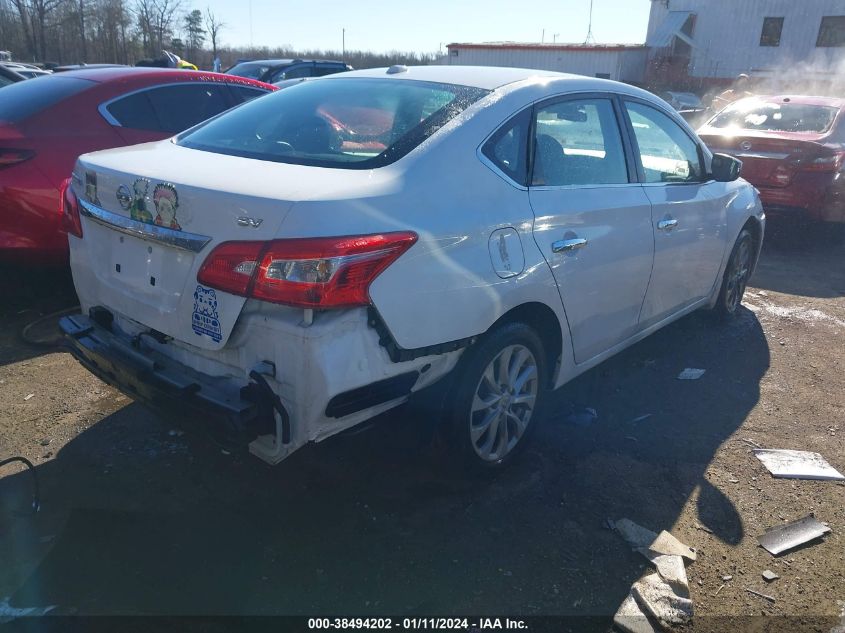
497 398
736 276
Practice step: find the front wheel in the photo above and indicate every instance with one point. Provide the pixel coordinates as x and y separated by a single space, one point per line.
736 276
497 398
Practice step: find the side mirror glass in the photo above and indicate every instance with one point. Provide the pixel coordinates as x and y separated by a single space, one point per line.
725 168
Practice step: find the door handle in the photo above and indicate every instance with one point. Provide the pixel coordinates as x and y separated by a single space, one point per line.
667 225
568 245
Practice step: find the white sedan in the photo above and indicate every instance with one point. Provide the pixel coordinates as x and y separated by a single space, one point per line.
306 261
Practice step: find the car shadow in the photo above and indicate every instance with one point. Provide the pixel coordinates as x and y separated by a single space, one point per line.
138 518
29 294
801 260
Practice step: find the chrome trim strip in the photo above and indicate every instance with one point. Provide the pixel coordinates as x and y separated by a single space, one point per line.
191 242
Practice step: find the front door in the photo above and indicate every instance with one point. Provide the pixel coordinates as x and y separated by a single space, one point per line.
688 213
592 219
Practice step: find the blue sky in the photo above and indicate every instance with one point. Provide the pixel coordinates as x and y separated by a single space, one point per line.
423 25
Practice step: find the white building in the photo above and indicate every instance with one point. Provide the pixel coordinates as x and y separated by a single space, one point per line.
694 43
614 61
719 39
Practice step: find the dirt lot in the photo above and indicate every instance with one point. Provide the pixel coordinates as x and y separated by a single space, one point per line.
138 518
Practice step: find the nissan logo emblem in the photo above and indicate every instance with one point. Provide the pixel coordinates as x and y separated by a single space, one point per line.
745 146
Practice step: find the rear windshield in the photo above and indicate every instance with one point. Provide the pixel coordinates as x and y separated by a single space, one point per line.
250 70
23 99
776 117
353 123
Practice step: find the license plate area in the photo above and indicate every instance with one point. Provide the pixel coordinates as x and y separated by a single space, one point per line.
144 271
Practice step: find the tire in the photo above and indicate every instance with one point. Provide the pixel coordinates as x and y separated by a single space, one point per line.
487 437
737 273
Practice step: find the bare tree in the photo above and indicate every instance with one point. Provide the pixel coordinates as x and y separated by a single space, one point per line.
213 25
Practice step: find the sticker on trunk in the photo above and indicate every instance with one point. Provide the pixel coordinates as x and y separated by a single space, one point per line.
205 319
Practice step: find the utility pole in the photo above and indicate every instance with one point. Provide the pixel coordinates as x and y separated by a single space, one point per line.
343 56
590 39
250 27
543 36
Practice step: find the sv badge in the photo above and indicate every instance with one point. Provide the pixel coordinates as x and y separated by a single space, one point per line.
250 222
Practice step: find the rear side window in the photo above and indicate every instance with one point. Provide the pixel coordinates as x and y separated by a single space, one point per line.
578 142
295 72
23 99
667 153
134 111
507 148
170 108
180 107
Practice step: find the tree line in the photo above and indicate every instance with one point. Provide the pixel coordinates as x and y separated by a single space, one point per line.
127 31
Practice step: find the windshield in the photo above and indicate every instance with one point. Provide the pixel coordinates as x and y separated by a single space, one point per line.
250 70
349 123
776 117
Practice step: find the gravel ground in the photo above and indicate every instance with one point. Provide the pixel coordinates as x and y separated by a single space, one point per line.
140 518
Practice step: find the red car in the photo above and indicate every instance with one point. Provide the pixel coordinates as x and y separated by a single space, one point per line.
792 149
45 124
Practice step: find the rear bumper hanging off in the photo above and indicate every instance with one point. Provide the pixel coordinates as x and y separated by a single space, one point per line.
234 414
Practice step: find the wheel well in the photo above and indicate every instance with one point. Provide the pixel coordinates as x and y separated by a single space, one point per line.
544 321
753 225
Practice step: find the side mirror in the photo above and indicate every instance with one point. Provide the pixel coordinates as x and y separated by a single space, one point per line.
725 168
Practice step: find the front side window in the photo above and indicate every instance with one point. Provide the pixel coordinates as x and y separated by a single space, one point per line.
507 148
577 142
352 123
666 152
772 29
753 114
832 31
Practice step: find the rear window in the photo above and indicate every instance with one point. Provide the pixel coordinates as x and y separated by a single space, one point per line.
23 99
348 123
776 117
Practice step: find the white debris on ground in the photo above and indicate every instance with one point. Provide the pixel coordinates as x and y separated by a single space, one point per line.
799 313
691 373
9 613
789 464
657 600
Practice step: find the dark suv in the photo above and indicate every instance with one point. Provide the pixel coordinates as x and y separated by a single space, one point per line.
273 70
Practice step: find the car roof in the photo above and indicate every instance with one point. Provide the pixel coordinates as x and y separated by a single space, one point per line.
485 77
105 75
286 61
834 102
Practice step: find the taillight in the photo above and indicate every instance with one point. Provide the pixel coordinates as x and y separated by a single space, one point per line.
10 156
323 272
69 209
826 162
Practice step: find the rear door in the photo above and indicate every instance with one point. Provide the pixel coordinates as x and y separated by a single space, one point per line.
592 218
688 212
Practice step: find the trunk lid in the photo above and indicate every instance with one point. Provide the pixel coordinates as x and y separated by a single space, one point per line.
769 159
151 214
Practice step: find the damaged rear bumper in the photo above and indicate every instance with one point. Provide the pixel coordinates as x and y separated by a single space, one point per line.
233 414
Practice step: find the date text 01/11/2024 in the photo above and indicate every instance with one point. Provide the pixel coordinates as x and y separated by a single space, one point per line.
431 624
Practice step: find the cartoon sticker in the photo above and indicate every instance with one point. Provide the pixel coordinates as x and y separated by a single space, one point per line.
166 202
91 188
205 319
138 202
